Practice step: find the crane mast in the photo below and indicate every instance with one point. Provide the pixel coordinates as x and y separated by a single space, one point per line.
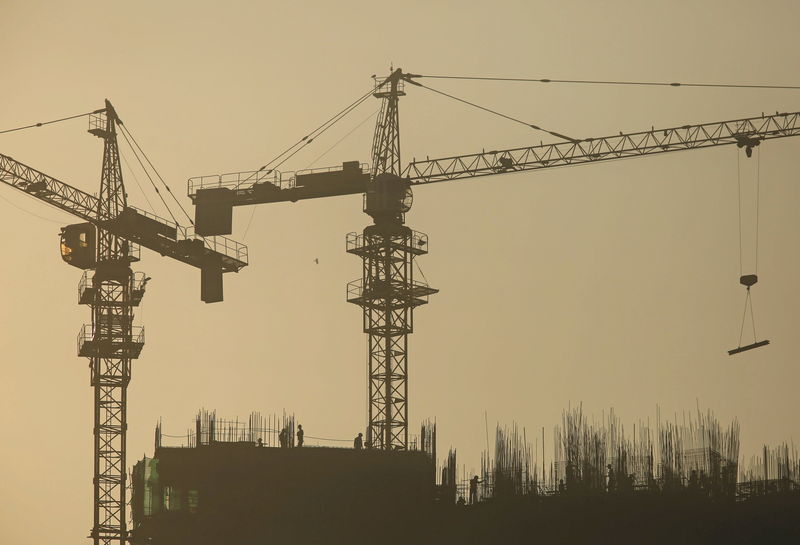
110 345
387 291
104 247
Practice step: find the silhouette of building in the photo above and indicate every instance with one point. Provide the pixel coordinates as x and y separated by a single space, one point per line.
235 492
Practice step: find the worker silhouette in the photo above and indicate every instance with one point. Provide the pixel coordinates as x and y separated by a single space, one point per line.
473 489
300 434
260 443
358 442
283 437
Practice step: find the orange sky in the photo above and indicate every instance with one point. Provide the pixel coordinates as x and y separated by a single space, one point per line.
612 284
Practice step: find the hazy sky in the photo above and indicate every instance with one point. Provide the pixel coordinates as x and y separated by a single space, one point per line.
612 284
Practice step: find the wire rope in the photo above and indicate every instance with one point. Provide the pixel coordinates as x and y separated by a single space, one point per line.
514 119
748 298
49 122
327 439
614 82
152 182
136 179
354 129
758 200
744 316
739 189
126 130
307 139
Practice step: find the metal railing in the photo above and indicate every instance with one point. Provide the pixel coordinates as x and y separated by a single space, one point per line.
87 334
418 290
418 241
85 283
364 167
238 180
219 244
247 179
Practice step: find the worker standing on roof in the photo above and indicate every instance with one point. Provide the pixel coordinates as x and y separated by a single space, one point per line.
299 435
358 442
283 437
473 489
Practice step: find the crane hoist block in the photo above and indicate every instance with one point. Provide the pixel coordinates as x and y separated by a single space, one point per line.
748 280
78 245
213 212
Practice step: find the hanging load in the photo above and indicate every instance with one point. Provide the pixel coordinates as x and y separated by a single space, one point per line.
748 280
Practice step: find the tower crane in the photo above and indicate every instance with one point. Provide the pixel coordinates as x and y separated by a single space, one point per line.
387 291
104 246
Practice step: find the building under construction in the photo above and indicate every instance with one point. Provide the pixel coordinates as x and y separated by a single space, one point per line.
237 482
233 482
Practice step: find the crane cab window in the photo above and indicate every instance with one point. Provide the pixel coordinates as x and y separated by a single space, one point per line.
78 245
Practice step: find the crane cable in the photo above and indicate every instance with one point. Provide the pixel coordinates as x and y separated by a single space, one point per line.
514 119
126 130
612 82
305 141
748 301
152 182
350 132
50 122
136 179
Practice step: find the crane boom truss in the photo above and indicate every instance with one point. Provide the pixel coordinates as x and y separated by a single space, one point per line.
163 236
748 132
248 188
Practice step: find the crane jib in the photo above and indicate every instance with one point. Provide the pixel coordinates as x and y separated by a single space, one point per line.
215 196
744 133
160 235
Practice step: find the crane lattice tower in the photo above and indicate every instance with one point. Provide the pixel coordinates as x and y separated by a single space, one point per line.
387 291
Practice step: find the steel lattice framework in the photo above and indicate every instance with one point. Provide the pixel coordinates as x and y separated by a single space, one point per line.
112 290
746 133
386 141
111 348
387 292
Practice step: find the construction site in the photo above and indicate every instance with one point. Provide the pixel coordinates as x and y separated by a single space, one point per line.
231 481
614 255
